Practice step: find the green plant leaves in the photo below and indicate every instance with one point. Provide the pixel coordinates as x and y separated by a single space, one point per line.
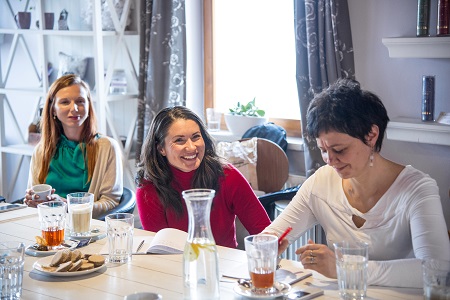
250 109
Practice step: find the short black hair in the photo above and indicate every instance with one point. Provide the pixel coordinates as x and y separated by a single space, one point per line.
344 107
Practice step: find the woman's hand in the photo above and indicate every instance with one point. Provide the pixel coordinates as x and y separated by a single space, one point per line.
318 257
282 246
284 243
32 199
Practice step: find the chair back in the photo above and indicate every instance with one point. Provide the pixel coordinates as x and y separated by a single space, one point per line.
127 204
272 166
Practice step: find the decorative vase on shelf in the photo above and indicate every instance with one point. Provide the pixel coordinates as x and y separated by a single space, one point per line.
23 19
62 22
49 21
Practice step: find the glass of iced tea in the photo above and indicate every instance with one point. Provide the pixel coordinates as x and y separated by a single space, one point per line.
262 250
52 216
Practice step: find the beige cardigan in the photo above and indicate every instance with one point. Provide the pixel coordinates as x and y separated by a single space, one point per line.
107 180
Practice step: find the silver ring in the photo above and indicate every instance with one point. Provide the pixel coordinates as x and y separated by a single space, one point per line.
311 253
311 259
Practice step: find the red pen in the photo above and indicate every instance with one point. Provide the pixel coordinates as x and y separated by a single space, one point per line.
285 233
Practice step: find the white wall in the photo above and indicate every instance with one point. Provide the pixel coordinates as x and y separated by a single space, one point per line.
397 81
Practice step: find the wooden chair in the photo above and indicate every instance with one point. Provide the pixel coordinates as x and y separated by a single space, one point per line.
272 167
272 172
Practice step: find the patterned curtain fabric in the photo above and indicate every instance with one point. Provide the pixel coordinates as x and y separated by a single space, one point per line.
162 65
324 53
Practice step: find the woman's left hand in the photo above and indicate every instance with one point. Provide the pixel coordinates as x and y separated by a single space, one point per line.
318 257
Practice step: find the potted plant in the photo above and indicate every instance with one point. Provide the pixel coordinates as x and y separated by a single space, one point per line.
242 117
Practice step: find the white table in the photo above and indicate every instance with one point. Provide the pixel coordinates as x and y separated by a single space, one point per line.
151 273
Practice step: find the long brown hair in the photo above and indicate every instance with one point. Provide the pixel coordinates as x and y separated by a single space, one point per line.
51 129
154 167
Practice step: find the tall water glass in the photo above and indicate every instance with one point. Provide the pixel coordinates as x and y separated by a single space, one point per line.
436 279
262 250
351 266
11 269
120 228
80 207
52 218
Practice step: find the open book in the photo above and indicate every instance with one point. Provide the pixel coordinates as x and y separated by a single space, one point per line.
165 241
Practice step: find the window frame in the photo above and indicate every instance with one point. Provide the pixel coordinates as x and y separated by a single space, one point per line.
292 127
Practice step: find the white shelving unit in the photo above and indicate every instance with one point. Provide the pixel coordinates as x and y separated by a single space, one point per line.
110 50
411 129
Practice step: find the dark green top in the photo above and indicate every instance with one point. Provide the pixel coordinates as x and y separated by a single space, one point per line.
68 172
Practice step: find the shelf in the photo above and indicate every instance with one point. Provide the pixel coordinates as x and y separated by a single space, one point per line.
20 149
88 33
418 47
416 131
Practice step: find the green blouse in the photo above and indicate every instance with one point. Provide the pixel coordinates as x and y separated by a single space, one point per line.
68 172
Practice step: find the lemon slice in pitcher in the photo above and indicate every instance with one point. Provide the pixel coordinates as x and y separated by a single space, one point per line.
192 251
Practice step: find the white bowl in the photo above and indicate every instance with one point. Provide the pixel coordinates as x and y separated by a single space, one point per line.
238 125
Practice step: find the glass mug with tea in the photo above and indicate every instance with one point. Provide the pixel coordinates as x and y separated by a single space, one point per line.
262 250
80 206
52 218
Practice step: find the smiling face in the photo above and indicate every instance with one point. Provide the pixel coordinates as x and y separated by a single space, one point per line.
71 108
349 156
184 146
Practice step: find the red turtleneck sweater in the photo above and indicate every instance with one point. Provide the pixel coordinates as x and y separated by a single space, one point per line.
235 198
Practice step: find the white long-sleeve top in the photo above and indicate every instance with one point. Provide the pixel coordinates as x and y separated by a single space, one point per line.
405 226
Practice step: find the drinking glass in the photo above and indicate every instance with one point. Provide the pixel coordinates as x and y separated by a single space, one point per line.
436 279
213 118
120 229
52 217
351 266
11 269
80 213
262 250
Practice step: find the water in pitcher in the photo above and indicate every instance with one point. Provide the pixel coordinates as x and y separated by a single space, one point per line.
201 269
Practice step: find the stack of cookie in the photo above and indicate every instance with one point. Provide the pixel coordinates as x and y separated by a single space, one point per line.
72 261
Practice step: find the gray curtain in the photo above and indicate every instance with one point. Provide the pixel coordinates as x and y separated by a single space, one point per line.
162 65
324 53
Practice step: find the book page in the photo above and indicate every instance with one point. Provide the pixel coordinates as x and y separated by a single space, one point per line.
168 241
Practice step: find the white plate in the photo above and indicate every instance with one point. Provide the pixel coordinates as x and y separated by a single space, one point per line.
33 252
94 235
45 261
246 292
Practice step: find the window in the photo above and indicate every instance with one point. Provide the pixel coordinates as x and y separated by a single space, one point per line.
251 53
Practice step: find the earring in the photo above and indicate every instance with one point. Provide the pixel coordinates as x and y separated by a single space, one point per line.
54 117
371 159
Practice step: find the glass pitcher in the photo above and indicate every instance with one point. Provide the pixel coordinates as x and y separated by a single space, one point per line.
200 259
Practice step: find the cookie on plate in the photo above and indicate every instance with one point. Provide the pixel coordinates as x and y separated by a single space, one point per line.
75 266
75 255
86 266
57 259
97 260
64 266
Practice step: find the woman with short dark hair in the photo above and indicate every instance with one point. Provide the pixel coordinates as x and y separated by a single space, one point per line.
362 196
